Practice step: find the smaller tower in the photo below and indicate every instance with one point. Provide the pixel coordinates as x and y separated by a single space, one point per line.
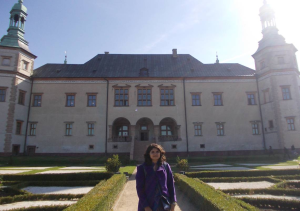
217 58
66 61
16 30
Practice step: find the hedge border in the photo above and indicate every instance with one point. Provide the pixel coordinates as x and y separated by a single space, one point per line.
273 203
43 208
207 198
102 197
258 173
277 191
240 179
58 177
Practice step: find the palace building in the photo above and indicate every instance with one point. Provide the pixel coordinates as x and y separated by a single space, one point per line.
120 103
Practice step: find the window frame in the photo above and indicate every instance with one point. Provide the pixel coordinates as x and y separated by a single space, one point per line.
122 131
286 87
116 87
196 94
32 130
25 65
198 124
70 94
91 130
219 130
290 123
19 130
33 99
6 57
169 88
255 127
149 87
21 101
254 98
4 89
266 94
68 130
271 124
214 100
95 100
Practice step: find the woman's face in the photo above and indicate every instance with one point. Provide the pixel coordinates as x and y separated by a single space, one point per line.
154 154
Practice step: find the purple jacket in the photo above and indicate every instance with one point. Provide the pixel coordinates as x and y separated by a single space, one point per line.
146 185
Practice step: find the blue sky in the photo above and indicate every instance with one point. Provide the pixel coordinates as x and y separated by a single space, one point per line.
196 27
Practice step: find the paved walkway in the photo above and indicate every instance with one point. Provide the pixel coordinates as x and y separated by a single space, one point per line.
240 185
128 199
26 204
297 198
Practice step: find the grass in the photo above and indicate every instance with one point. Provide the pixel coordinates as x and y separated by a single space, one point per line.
128 169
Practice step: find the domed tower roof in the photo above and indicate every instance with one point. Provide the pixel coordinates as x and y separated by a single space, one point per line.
19 6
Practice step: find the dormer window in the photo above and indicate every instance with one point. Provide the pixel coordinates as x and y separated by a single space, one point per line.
144 72
25 65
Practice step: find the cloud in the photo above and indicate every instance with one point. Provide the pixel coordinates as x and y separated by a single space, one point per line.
236 57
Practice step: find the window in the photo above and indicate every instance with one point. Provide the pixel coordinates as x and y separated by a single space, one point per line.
271 124
115 146
174 146
32 131
266 96
144 97
123 131
91 127
251 99
220 128
167 97
218 101
91 146
21 99
196 99
19 127
25 65
286 93
202 146
144 72
70 100
37 100
262 65
198 128
165 130
291 123
121 97
2 94
280 60
69 127
255 130
91 100
6 62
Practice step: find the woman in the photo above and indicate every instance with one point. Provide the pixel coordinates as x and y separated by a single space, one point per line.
154 182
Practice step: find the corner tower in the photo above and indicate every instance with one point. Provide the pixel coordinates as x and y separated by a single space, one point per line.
16 67
278 81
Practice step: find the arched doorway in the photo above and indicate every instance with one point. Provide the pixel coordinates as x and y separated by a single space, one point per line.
168 130
144 129
121 130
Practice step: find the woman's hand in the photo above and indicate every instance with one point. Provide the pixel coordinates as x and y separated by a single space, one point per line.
148 209
172 207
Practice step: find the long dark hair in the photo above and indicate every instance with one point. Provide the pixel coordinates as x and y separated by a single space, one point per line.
162 158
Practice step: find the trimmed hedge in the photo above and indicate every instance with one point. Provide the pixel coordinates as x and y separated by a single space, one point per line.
286 184
273 203
207 198
259 173
45 208
39 197
58 177
277 192
56 183
102 197
240 179
288 177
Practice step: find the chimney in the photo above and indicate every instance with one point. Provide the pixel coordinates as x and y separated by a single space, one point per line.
174 53
106 52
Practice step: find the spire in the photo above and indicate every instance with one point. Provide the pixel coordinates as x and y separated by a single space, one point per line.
16 30
217 58
65 62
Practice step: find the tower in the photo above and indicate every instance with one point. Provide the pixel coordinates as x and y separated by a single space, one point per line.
16 66
278 84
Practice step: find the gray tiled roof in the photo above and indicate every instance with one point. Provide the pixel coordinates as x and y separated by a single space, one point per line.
129 65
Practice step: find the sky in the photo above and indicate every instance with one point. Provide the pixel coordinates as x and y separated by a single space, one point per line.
196 27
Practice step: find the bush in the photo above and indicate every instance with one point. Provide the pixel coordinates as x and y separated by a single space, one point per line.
273 203
207 198
58 177
201 174
43 208
101 197
182 164
113 164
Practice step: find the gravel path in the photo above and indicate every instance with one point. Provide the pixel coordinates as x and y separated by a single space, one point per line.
83 167
12 171
66 171
269 196
254 164
26 204
211 165
224 168
33 168
282 167
57 190
240 185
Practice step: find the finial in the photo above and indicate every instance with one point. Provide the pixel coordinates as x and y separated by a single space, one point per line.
65 62
217 58
21 1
